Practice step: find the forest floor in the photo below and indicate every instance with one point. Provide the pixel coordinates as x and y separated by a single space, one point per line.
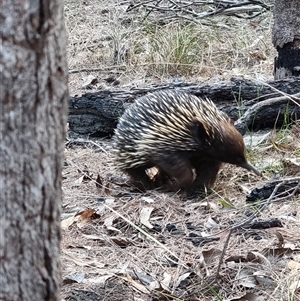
122 245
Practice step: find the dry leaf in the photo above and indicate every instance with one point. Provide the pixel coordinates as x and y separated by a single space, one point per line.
136 284
182 278
89 81
277 251
66 223
85 262
122 242
210 255
93 236
108 223
107 190
291 234
142 276
154 285
86 216
292 165
99 182
210 223
263 278
236 258
78 181
247 297
280 239
124 268
166 281
209 205
259 258
245 278
74 278
147 199
145 216
295 289
109 201
99 280
293 265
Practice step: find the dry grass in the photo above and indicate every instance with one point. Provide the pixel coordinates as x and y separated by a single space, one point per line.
105 256
136 50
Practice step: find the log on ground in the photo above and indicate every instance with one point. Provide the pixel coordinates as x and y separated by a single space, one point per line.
97 114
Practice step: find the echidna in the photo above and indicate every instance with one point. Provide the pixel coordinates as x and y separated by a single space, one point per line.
185 137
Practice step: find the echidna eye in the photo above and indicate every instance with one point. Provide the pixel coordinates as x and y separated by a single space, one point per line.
240 159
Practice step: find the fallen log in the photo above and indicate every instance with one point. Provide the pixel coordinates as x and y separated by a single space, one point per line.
276 190
253 105
269 113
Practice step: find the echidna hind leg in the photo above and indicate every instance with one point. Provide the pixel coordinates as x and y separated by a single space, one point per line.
139 178
160 179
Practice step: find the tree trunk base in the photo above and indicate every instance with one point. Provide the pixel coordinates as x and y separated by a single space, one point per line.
288 61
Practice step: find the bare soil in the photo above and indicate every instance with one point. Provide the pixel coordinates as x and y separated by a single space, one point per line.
119 244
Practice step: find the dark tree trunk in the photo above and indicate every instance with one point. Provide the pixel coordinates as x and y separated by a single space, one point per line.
33 109
286 38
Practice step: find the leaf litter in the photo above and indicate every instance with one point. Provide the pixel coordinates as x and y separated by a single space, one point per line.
160 246
101 247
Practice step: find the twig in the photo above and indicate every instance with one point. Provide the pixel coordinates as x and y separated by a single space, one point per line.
84 141
198 9
223 254
108 68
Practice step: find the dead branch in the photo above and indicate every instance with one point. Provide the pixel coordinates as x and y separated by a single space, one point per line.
276 190
260 110
199 10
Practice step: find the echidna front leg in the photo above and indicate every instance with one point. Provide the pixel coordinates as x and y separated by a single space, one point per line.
176 167
139 178
206 173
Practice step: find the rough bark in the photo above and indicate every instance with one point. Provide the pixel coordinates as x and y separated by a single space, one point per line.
286 38
33 109
98 113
